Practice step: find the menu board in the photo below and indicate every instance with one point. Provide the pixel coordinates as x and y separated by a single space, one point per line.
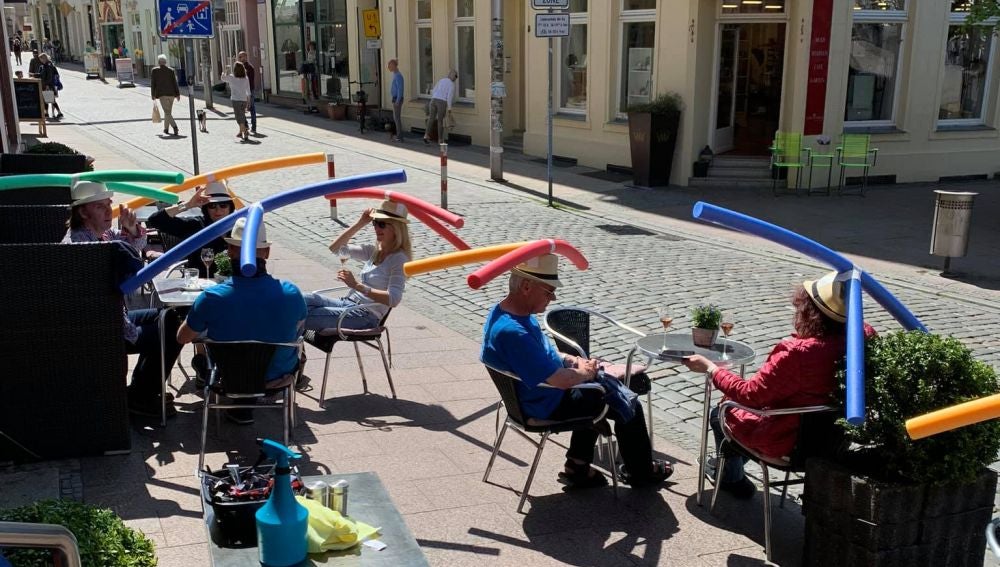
28 94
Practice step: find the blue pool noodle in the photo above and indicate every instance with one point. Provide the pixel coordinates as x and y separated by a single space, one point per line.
248 248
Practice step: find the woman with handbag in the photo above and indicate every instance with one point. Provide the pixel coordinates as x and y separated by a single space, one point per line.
49 76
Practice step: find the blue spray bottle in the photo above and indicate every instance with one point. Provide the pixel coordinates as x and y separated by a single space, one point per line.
281 522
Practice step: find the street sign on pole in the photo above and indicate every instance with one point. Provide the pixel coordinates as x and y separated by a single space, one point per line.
550 4
551 25
185 19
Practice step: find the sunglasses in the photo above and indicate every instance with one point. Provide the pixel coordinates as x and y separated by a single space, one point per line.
380 223
217 206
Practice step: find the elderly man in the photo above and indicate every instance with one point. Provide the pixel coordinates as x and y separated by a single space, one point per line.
513 342
90 221
258 308
396 92
442 99
163 87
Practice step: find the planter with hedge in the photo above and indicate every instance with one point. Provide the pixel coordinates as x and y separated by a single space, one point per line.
652 134
890 500
705 320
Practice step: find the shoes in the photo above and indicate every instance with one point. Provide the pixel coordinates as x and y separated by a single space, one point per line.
581 476
176 133
149 406
253 130
60 115
166 132
661 472
427 142
302 383
240 416
200 364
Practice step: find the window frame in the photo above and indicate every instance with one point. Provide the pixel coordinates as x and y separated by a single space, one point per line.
626 17
418 24
956 19
458 24
900 17
575 19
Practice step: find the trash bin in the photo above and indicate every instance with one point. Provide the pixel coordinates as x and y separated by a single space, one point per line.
952 217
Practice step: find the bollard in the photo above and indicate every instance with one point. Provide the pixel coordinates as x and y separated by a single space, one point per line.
950 231
444 175
331 173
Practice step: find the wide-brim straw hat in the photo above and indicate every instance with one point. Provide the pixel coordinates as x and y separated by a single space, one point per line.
544 269
236 237
84 192
391 211
827 293
218 192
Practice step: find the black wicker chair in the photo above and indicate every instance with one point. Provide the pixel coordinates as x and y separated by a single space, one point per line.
33 224
62 352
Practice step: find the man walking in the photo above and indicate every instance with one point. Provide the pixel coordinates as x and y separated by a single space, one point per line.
163 84
16 48
251 76
34 65
442 97
396 92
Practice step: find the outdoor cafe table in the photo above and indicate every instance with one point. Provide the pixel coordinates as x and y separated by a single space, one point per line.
367 502
679 345
173 293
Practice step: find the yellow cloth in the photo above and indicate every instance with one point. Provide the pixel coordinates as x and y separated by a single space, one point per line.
329 530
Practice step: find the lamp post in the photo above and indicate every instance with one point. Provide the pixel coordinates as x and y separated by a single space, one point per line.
497 92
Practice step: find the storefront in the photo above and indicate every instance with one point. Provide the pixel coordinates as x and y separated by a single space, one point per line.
314 32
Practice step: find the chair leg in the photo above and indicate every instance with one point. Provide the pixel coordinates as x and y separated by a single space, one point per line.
531 473
204 432
612 452
388 343
720 464
361 366
496 449
385 363
326 372
767 512
286 417
784 489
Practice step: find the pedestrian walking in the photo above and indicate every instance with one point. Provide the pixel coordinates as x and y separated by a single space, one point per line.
47 48
442 98
49 76
251 77
396 92
163 84
34 64
239 94
16 47
33 44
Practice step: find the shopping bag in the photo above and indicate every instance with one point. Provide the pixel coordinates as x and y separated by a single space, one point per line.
156 114
449 121
49 97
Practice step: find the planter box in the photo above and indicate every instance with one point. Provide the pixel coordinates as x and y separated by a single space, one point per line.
336 111
652 138
854 520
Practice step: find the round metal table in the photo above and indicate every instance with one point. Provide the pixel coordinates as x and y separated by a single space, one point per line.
679 345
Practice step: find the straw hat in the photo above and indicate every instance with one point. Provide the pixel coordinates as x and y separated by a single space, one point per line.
391 211
218 192
84 192
544 268
827 293
236 238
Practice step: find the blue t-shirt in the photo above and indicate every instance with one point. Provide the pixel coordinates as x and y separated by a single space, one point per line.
515 343
261 308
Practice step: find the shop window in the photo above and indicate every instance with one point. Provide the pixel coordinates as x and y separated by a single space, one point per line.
876 48
465 50
968 55
880 5
425 62
636 64
572 67
638 5
753 6
287 38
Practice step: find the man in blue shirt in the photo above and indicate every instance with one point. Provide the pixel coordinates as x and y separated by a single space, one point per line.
396 92
513 342
257 308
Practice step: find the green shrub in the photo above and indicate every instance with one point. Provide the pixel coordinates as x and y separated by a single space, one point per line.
102 536
706 317
223 264
664 103
55 148
908 374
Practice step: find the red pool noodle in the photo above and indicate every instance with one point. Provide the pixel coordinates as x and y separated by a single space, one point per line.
439 228
504 263
410 201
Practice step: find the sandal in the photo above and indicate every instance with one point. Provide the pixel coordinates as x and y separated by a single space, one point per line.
582 476
661 472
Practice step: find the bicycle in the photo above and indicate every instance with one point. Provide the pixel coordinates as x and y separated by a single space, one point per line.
360 97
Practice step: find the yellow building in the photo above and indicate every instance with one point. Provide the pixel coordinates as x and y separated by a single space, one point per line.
904 71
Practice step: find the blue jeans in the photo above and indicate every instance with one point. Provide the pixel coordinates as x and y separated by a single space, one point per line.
324 312
253 113
734 462
147 374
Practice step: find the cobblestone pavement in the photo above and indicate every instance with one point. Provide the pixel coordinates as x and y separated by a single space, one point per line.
636 261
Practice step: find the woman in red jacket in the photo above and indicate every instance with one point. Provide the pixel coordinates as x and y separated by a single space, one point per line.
798 372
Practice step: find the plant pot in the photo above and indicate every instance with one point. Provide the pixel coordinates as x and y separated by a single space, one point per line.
855 520
337 111
652 138
701 168
704 338
220 278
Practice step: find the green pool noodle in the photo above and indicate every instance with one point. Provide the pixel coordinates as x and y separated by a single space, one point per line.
143 191
65 179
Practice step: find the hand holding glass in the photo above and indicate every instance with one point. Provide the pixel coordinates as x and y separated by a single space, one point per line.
663 312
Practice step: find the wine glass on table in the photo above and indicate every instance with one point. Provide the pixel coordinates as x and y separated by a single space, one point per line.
727 328
207 257
663 312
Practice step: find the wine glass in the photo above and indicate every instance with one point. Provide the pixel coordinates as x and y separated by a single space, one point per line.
207 257
663 312
727 327
344 257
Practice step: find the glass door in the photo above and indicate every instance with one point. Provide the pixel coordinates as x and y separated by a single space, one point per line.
725 104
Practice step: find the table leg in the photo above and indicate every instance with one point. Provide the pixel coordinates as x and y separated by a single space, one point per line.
703 460
161 322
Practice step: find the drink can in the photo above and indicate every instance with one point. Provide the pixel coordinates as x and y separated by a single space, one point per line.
319 491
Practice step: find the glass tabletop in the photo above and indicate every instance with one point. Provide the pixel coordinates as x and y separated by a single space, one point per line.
680 345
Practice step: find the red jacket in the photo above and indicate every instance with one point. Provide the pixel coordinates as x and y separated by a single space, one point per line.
798 372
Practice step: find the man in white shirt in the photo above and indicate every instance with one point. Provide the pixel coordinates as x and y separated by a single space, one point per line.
442 97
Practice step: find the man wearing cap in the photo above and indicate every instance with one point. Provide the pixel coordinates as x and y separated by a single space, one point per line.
215 203
513 342
257 308
90 221
799 372
163 87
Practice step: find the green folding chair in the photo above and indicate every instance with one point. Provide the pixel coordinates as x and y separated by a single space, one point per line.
855 151
787 152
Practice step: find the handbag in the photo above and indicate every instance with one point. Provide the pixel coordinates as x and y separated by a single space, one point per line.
58 84
49 97
156 114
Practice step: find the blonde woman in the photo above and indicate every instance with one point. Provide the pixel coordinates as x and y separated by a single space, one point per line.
239 95
382 278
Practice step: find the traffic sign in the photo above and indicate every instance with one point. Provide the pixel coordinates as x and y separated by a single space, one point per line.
546 4
551 25
185 18
373 27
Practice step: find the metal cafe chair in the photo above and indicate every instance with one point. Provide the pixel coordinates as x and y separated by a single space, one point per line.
506 384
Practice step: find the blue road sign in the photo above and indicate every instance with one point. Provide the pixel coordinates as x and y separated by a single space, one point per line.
185 18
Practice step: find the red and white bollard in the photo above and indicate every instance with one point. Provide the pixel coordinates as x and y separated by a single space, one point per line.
331 173
444 175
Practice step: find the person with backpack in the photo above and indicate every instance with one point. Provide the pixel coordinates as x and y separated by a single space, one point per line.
16 48
49 76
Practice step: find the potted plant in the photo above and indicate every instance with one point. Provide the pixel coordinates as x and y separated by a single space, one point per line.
705 321
652 134
61 158
223 266
891 500
101 535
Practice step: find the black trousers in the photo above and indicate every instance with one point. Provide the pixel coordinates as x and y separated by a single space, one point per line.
633 438
147 374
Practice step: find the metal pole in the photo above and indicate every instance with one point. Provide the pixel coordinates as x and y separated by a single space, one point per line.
444 175
194 129
206 71
548 166
496 93
331 173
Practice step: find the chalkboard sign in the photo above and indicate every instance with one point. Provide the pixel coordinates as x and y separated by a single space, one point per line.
28 93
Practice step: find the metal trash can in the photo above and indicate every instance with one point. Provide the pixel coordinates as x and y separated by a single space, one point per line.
952 217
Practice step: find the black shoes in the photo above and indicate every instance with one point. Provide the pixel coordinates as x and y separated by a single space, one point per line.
200 364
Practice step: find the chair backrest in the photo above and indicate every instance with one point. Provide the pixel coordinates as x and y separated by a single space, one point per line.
787 147
506 385
819 436
241 365
33 224
381 322
169 241
854 147
573 324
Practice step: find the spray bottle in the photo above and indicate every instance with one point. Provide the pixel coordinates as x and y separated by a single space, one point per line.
281 522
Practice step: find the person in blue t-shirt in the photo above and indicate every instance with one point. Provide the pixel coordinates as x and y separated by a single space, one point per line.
513 342
257 308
